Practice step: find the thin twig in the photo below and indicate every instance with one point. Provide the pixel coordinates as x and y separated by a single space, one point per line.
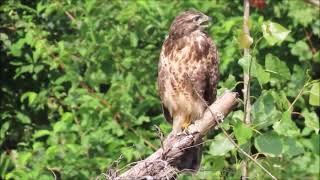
246 87
299 95
308 35
70 16
160 135
53 173
314 2
246 78
146 141
227 135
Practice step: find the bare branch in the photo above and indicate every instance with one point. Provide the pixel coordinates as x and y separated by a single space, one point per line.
246 85
313 2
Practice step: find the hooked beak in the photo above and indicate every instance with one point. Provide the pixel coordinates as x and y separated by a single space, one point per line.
205 21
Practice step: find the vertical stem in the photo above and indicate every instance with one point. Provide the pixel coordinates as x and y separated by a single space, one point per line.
246 88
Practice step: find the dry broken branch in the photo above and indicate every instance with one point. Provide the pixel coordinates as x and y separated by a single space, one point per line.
162 163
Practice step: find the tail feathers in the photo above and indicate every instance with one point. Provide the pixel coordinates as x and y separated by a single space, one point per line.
191 159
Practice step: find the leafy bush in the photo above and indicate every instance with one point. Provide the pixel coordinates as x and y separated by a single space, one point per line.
78 86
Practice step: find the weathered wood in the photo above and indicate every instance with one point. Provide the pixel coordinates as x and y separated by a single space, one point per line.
162 163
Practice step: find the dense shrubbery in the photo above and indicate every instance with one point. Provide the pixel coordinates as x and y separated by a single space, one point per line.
78 86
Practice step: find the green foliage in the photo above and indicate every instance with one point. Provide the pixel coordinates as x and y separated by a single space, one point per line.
314 98
242 132
274 33
220 145
269 143
302 50
78 86
277 68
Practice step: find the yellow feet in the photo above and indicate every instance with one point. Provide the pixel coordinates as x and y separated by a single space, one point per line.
186 122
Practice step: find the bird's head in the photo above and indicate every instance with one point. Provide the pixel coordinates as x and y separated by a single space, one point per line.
187 22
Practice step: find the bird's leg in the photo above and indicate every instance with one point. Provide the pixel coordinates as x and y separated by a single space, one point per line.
186 124
177 125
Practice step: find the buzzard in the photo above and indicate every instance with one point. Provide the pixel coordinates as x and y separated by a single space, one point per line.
187 76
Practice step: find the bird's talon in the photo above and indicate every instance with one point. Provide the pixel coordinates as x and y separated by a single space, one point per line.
186 132
179 133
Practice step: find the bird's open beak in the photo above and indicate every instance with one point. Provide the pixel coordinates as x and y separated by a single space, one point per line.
205 22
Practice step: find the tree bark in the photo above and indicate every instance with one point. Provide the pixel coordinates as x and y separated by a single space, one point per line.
162 163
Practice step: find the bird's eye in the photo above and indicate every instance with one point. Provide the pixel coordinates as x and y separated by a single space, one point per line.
197 18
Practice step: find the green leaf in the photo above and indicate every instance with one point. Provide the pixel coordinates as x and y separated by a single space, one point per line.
311 120
60 126
16 48
242 132
274 33
302 12
316 57
4 128
316 27
67 116
302 50
286 126
292 147
142 119
314 98
245 40
277 68
269 143
244 62
261 74
315 141
264 112
41 133
30 95
229 83
23 118
256 70
220 146
133 40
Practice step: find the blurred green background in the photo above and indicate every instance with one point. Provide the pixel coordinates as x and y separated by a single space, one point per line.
78 86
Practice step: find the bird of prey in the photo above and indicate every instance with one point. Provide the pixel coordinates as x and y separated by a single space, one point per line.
187 76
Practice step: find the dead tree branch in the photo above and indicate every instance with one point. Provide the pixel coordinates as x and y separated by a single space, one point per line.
313 2
162 163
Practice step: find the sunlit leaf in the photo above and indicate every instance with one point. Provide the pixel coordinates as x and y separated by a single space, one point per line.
302 50
133 40
286 126
274 33
245 40
242 132
23 118
256 70
292 147
264 111
41 133
314 97
220 146
4 128
301 17
316 27
67 116
277 68
30 95
311 120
